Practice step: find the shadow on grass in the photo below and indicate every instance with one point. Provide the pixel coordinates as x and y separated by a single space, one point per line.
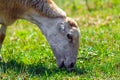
39 69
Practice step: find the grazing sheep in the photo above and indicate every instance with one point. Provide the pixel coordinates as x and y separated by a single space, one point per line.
61 31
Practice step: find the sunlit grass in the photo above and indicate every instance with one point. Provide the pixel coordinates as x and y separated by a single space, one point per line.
27 55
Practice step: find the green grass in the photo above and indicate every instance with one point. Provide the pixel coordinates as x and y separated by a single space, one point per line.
27 55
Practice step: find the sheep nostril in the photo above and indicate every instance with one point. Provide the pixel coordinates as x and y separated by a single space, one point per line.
62 65
71 65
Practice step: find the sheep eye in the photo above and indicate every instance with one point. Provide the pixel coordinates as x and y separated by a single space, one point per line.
70 37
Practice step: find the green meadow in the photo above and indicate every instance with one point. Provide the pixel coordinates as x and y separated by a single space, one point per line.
28 56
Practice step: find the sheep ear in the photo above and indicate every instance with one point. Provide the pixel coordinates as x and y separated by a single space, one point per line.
61 27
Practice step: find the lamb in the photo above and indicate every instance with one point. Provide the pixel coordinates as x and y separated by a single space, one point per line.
61 32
